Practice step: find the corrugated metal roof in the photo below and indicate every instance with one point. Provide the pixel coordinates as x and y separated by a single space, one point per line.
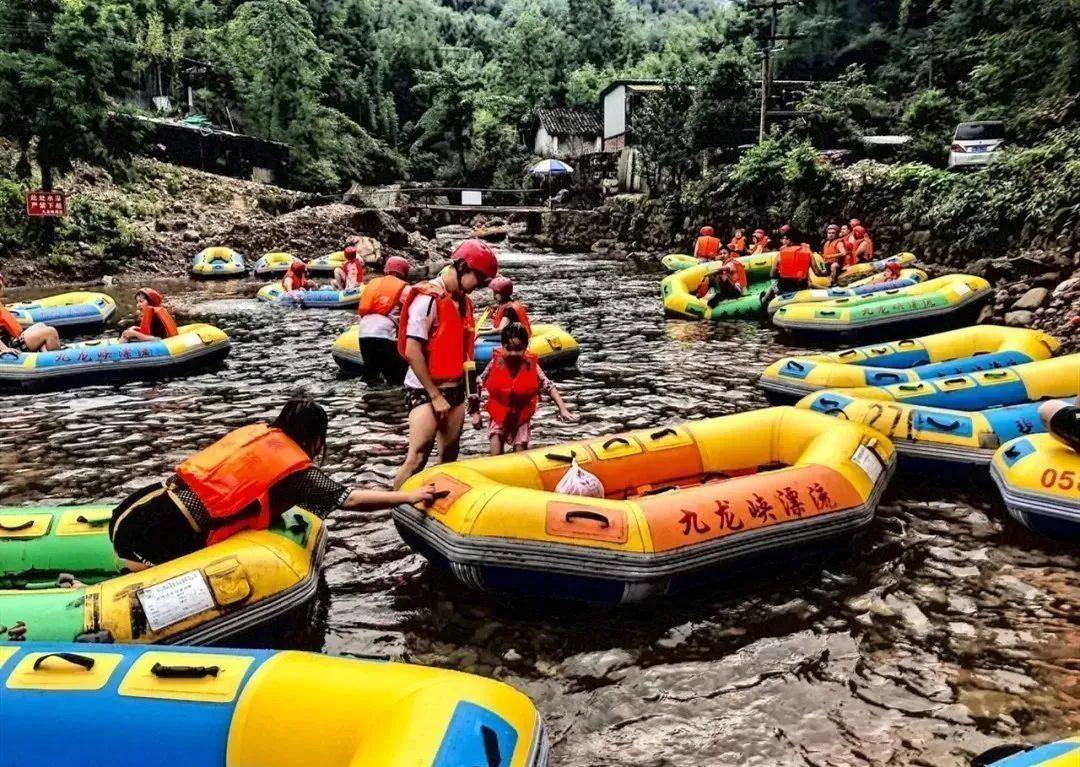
569 122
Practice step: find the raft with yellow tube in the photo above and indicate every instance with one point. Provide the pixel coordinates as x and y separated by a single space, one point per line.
683 504
275 263
909 360
239 587
197 707
66 311
1039 480
218 263
858 272
326 297
959 419
954 297
1062 753
864 287
678 291
328 263
193 346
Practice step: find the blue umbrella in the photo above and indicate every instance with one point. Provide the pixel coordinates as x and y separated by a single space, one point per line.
551 168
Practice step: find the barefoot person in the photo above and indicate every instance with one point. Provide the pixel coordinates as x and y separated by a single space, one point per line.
1062 421
436 337
37 337
244 481
155 322
350 274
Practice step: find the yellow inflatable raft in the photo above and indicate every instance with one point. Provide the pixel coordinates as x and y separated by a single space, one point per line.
218 262
76 310
858 272
274 264
954 352
864 287
682 504
328 263
1039 480
954 296
107 358
201 707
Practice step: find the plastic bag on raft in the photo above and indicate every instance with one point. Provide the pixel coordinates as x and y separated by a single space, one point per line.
577 481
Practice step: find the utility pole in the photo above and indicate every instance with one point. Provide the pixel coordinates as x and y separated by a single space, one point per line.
768 48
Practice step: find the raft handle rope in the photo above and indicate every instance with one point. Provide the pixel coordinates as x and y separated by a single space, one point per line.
1012 452
616 441
593 516
947 427
83 520
909 387
799 366
886 375
73 658
995 374
16 528
183 672
668 432
560 457
830 403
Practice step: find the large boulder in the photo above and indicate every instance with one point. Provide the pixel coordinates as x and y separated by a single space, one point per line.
1032 299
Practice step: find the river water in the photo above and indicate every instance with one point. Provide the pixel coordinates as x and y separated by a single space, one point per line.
946 629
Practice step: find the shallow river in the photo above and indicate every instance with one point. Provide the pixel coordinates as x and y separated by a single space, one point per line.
946 630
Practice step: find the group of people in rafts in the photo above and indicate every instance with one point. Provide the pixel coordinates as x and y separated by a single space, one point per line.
421 336
844 245
348 276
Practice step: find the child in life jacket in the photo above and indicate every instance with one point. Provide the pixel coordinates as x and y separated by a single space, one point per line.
514 382
155 322
507 309
738 242
350 274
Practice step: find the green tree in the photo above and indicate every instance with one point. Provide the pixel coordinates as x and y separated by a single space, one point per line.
840 111
532 54
659 125
453 94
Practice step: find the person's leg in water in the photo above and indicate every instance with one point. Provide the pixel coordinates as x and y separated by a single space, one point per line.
422 430
448 436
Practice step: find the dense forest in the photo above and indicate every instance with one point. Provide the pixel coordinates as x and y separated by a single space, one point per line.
374 90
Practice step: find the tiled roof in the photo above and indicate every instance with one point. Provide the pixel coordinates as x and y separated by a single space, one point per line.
569 122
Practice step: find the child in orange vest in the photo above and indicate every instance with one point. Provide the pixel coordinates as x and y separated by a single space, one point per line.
514 382
155 322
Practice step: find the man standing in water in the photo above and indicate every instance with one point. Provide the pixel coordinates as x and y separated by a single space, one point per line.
436 335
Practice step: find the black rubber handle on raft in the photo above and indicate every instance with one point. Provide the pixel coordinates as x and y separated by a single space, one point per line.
829 402
561 457
796 365
16 528
184 672
491 746
828 314
905 341
910 387
995 374
848 353
880 351
663 433
593 516
10 354
70 657
1012 452
92 522
893 376
951 427
616 441
954 380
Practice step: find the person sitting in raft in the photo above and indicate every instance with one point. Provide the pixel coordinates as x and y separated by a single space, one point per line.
296 277
726 283
834 252
707 245
890 273
380 310
507 309
244 481
791 270
15 338
514 382
862 250
1062 422
738 242
350 274
155 322
759 242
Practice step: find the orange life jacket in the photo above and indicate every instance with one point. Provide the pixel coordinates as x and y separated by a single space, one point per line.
795 262
832 250
452 342
759 247
156 321
353 271
9 324
737 245
512 399
517 308
739 278
706 247
381 295
233 477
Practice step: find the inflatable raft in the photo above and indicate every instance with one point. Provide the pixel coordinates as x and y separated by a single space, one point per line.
678 292
238 587
1063 753
327 297
218 262
683 503
550 343
1039 480
274 264
852 274
66 311
107 358
864 287
954 352
959 419
954 296
327 264
198 707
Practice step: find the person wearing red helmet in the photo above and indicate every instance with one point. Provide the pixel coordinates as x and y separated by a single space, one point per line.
737 246
862 248
834 251
436 336
350 274
759 242
707 245
380 311
507 309
155 322
296 278
890 273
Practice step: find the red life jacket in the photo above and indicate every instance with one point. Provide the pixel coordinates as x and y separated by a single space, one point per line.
353 271
795 262
156 321
707 247
512 399
757 248
452 342
381 295
9 325
739 277
832 250
517 308
856 256
233 477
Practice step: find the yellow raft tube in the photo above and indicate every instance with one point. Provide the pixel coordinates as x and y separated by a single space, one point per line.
218 262
954 352
167 707
76 310
1039 480
328 263
274 263
864 287
682 504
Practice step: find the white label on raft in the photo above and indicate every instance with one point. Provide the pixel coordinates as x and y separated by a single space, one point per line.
867 460
174 600
191 340
961 289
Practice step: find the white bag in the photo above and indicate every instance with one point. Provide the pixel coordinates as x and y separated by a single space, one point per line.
577 481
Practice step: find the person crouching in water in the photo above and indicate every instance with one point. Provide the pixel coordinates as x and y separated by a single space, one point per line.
296 278
507 309
155 322
380 311
349 275
514 382
14 338
244 481
707 245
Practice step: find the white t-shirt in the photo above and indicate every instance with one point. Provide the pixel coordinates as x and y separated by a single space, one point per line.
423 320
381 325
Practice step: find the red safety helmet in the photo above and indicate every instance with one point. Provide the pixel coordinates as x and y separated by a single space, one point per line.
350 252
893 266
152 296
297 267
397 265
502 286
707 231
785 229
478 256
859 231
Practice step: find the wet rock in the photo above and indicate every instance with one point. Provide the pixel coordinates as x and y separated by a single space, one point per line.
190 235
1019 319
511 656
1032 299
596 665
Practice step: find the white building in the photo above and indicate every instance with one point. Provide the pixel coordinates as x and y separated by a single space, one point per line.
620 99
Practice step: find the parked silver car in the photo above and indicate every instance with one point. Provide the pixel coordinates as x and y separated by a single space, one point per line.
975 143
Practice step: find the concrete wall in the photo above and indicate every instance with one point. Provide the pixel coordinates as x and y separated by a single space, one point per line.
615 112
